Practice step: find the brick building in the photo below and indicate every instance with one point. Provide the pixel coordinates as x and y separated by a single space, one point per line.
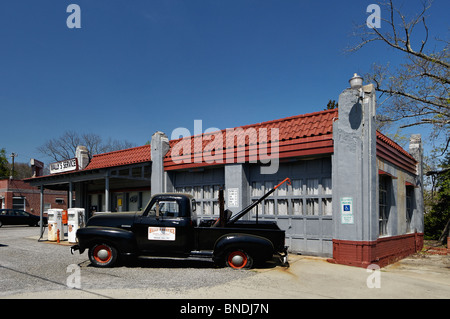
17 194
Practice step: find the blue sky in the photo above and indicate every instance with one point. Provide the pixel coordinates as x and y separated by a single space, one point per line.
136 67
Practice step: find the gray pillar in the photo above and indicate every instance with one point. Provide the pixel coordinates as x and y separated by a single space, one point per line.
41 213
107 209
354 176
236 188
159 148
82 156
416 150
70 194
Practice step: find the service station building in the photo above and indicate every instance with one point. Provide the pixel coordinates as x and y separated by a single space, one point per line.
355 195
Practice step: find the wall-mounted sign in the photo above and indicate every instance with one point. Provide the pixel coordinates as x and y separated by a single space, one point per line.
64 166
347 210
233 197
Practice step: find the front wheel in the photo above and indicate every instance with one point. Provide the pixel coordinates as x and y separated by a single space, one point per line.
103 255
238 259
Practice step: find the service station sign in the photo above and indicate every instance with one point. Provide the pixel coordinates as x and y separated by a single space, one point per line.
64 166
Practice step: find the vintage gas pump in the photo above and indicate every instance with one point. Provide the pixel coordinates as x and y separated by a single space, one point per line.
55 225
75 221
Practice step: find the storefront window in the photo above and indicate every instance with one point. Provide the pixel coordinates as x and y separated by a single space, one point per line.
383 204
311 197
207 198
409 207
19 203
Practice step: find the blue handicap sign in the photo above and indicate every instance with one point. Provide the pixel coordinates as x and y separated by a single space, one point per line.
346 208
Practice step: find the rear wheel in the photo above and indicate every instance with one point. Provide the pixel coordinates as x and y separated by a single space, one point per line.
238 259
103 255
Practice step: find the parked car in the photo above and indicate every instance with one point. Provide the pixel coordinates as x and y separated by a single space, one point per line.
19 217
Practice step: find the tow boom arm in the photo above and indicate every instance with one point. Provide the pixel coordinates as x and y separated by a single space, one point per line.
239 215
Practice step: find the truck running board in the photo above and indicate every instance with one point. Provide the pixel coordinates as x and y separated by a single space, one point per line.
192 254
202 253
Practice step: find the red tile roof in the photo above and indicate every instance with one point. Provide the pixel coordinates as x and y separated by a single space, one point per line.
307 134
301 135
123 157
393 153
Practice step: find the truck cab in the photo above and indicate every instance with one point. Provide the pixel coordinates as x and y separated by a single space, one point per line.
167 225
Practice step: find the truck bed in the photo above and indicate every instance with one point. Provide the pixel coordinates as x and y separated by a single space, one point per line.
206 236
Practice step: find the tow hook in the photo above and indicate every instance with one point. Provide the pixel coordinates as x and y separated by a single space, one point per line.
74 248
284 258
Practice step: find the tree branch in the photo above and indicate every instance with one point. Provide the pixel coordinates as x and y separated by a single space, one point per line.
413 97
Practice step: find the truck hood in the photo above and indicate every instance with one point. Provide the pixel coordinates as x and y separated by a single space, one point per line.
117 220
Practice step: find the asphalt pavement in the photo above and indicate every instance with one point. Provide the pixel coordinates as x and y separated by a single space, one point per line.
39 269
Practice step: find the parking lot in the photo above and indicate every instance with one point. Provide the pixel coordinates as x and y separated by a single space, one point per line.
38 269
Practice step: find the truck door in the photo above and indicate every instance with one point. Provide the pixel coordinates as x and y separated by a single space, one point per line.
164 229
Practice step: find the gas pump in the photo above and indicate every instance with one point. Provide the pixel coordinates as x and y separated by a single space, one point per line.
55 224
75 221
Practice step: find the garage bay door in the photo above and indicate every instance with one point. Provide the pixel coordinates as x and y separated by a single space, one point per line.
302 209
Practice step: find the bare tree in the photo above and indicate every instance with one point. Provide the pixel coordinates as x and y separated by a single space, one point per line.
64 147
417 91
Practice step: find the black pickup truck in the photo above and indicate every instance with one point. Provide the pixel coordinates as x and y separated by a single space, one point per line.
168 227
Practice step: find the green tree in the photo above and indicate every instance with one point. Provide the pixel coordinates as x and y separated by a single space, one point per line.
437 220
331 105
4 165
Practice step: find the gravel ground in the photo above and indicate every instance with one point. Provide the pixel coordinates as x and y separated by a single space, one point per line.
32 269
28 266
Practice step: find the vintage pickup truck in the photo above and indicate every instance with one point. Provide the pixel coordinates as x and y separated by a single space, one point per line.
168 227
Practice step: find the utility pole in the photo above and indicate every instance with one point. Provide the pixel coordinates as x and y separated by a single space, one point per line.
13 155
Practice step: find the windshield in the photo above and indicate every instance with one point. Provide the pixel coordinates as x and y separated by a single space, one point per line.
166 208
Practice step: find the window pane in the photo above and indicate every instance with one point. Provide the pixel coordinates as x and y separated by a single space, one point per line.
267 187
297 207
216 208
409 207
384 208
312 186
258 208
282 207
166 208
326 207
18 203
257 189
179 190
326 185
199 208
269 207
282 190
198 192
312 206
296 187
207 209
207 192
216 191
